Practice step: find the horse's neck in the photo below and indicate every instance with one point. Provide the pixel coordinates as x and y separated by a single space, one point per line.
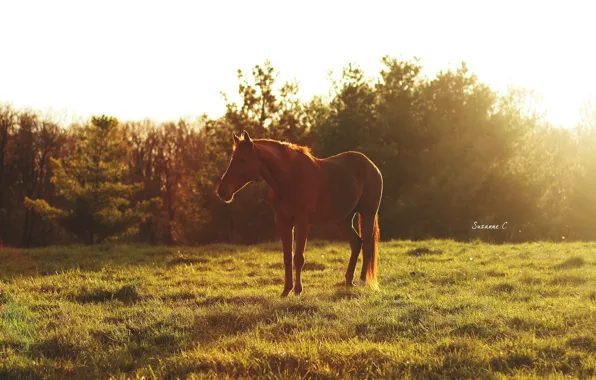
275 168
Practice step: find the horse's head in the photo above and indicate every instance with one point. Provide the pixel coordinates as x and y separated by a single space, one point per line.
244 168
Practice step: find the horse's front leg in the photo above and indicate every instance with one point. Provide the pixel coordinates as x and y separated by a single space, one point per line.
301 232
284 229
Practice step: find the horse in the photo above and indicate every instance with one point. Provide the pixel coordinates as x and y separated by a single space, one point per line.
306 190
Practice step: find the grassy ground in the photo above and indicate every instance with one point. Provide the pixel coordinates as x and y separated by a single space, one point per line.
444 309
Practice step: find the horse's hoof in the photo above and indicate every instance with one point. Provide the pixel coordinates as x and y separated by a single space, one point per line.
350 284
286 292
297 290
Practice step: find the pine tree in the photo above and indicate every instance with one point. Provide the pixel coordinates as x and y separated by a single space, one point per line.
100 205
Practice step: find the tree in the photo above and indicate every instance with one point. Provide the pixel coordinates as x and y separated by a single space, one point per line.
352 115
581 214
142 143
100 206
37 141
268 111
8 121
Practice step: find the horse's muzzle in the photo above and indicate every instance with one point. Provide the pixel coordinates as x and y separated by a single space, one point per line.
225 194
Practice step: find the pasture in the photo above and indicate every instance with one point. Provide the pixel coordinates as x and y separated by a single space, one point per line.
443 309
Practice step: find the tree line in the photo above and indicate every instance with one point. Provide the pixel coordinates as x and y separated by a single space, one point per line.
454 155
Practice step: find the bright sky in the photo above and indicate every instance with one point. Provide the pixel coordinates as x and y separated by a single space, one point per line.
164 60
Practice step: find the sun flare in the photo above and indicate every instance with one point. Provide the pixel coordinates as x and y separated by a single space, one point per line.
139 60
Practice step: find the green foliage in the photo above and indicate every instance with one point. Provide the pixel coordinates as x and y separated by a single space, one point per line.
267 109
100 206
451 150
443 310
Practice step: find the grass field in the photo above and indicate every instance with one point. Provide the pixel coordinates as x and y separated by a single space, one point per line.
444 309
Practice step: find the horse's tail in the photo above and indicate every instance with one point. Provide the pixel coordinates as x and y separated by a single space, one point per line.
371 270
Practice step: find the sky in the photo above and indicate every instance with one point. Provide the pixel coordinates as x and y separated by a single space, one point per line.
169 59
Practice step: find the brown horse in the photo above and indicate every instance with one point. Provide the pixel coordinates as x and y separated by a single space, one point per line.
307 190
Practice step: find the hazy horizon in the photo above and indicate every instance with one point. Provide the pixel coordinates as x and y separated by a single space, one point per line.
140 60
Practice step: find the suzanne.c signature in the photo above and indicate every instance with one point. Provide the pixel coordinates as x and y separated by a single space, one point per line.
477 226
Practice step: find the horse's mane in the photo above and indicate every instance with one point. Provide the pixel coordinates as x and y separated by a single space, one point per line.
289 147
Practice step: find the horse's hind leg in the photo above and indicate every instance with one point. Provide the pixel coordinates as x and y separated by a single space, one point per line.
348 231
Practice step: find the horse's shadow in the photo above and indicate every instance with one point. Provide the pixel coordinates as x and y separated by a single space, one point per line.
343 292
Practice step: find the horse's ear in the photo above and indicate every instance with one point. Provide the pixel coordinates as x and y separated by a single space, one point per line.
236 138
245 136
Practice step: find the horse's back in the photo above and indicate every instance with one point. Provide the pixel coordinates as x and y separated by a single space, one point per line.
347 177
358 164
